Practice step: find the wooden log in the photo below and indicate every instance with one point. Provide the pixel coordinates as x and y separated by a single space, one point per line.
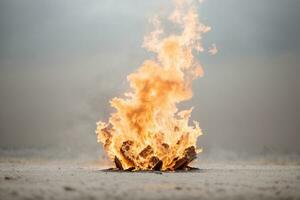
189 155
118 163
146 151
130 169
181 164
125 150
158 166
153 162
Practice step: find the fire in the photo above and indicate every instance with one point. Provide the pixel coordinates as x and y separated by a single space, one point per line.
147 131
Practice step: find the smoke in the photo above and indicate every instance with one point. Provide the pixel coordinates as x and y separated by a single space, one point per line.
62 61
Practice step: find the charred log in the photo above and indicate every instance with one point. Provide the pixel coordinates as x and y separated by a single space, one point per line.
181 164
118 163
125 150
146 151
158 166
130 169
189 155
153 161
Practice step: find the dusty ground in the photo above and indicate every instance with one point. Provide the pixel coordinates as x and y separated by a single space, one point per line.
21 179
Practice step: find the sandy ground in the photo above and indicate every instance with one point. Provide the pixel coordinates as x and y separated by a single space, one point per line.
21 179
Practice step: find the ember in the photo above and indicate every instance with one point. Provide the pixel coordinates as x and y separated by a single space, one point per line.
147 132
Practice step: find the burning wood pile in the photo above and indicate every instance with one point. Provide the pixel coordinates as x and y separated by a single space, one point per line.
147 132
156 164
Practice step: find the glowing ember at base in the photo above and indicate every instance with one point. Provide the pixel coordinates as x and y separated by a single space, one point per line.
147 132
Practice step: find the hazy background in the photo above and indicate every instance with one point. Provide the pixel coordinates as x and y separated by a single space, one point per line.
61 62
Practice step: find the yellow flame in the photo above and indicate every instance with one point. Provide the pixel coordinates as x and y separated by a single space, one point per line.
147 125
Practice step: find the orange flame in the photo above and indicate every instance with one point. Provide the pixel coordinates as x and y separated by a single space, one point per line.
147 126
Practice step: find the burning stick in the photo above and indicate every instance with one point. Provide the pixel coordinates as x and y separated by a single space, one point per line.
189 155
118 163
146 152
158 166
125 151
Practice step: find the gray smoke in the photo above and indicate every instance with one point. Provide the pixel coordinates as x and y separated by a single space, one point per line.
62 61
